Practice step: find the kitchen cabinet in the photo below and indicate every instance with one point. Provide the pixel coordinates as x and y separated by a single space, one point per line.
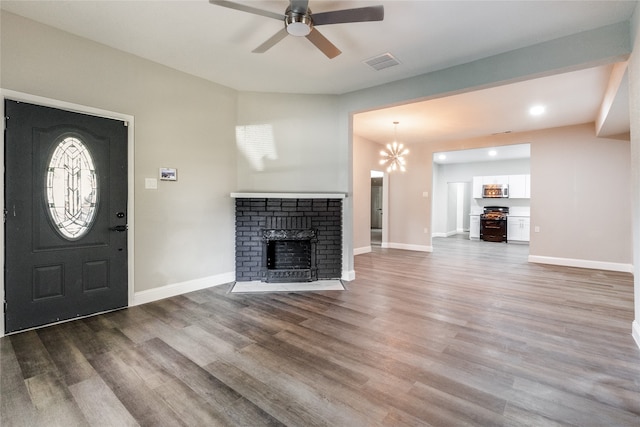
518 228
519 186
476 189
496 179
474 227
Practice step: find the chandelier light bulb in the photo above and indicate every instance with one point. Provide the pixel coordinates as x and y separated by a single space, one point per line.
394 154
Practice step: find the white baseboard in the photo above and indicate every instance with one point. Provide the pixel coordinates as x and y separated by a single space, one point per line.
446 234
407 247
364 250
348 275
172 290
582 263
635 332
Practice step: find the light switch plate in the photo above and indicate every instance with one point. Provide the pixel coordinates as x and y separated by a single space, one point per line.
150 183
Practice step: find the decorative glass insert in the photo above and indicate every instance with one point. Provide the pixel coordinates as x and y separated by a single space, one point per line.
71 188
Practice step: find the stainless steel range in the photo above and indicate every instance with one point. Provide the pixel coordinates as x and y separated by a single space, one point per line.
493 224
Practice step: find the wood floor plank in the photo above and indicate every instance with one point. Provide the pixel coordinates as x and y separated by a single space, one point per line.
470 334
53 401
100 405
136 394
16 407
33 357
70 362
200 380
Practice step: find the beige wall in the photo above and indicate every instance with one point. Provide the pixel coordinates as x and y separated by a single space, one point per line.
581 196
409 216
634 110
183 230
365 159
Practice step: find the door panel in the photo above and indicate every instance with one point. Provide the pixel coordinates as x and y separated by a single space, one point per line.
65 192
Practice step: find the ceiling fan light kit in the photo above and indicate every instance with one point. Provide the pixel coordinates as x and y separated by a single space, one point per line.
300 22
296 24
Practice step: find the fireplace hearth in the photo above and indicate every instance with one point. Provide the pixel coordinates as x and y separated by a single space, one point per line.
288 239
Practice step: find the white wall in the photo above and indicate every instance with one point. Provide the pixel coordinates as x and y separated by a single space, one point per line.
184 230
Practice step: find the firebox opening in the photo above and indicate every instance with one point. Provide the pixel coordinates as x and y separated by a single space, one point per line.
289 255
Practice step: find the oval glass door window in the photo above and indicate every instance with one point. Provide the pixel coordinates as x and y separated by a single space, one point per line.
71 188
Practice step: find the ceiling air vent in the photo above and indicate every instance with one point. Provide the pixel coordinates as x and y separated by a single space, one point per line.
381 62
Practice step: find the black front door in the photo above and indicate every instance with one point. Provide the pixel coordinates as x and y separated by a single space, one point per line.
65 215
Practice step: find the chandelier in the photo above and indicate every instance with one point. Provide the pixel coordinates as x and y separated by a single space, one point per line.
393 156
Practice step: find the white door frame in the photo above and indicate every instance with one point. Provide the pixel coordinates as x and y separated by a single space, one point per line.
62 105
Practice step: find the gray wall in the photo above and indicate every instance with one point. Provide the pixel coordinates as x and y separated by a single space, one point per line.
184 229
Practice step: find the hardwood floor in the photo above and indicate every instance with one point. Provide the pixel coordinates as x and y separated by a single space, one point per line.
470 334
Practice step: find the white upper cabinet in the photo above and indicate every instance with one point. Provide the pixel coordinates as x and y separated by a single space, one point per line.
477 187
519 186
496 179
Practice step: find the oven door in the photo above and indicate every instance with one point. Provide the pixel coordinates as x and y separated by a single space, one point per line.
493 230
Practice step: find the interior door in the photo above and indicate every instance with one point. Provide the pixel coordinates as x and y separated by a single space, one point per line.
65 215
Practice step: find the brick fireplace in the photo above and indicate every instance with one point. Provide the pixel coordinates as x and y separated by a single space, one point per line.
288 237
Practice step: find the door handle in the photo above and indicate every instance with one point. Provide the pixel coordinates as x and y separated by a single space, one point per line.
119 228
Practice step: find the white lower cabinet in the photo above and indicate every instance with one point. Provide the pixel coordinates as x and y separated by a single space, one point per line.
518 228
474 227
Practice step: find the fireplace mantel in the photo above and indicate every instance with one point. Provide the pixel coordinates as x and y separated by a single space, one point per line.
288 195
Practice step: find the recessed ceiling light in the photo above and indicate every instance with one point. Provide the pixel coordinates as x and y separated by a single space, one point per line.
537 110
493 152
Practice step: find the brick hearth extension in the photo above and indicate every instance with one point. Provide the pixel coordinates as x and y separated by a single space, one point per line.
261 216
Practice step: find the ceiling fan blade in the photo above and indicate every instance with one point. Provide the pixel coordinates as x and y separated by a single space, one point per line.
249 9
360 14
299 6
271 42
323 44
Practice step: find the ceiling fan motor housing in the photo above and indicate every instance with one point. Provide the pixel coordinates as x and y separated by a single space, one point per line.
298 24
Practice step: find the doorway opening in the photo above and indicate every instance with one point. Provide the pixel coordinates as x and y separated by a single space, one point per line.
377 211
458 208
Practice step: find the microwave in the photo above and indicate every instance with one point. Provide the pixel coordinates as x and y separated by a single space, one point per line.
495 191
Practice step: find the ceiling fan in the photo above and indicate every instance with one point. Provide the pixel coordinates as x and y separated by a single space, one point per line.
299 21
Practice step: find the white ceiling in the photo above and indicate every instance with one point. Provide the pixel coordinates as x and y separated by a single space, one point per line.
215 43
505 152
